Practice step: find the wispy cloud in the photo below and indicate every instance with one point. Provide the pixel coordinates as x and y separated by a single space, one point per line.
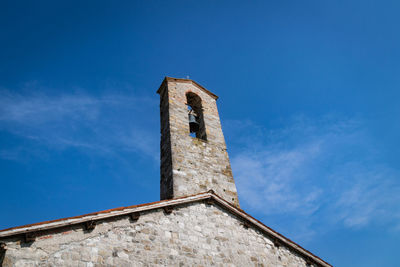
315 172
104 123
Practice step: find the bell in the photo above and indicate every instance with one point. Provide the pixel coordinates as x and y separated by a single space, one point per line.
193 124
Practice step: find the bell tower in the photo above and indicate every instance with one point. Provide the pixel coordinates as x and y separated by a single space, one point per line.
194 158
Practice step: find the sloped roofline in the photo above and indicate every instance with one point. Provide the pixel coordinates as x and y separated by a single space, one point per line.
210 195
171 79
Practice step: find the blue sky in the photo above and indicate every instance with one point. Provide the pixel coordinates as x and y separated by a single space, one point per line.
308 101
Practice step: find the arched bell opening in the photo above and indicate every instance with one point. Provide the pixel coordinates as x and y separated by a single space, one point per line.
195 116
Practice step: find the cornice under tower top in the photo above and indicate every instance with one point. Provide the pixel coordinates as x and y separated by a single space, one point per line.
171 79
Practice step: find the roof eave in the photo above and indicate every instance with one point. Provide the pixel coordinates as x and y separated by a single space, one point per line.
156 205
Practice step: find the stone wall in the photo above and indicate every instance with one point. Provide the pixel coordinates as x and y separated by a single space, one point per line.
195 234
192 165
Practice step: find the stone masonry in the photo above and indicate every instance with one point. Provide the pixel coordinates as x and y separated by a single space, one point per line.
198 222
191 165
194 234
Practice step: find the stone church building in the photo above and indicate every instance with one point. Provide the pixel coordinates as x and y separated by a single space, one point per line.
197 222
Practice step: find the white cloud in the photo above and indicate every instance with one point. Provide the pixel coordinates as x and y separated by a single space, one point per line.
105 123
322 172
369 195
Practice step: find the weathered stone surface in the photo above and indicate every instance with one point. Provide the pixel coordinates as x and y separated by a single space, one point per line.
197 233
192 235
191 165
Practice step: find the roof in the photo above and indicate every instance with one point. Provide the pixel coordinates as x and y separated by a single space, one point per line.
170 79
210 195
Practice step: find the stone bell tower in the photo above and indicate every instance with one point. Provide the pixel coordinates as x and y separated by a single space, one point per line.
193 150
